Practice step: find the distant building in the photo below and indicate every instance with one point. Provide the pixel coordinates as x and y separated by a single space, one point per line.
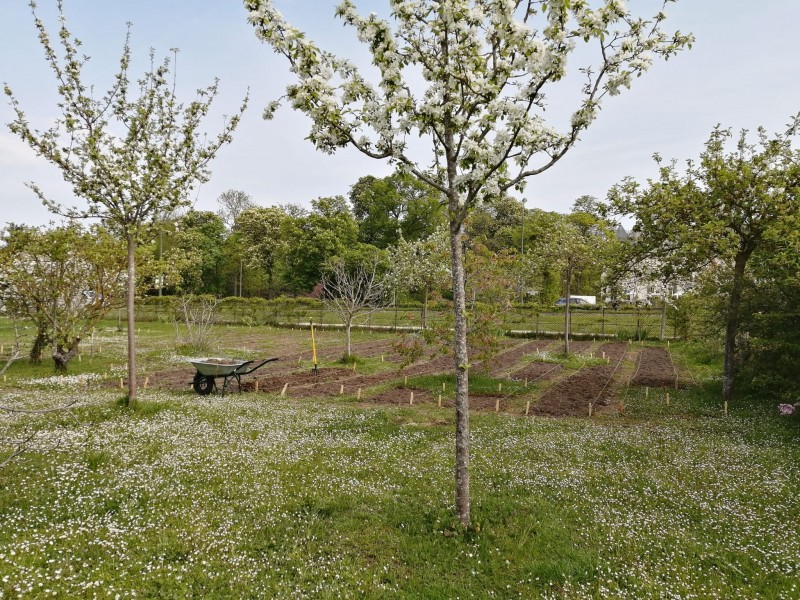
645 286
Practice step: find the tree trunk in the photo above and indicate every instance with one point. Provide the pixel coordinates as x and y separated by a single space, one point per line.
425 309
567 315
462 375
61 357
131 294
347 326
732 326
39 344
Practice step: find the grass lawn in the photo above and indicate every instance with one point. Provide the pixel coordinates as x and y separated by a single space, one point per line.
260 496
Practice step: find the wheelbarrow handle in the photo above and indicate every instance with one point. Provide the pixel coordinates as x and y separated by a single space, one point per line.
238 371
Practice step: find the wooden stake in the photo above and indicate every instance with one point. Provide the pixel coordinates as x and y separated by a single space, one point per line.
604 355
526 382
590 409
667 395
440 401
381 357
443 386
499 387
255 385
283 391
146 381
527 407
497 405
341 389
725 408
121 384
79 358
358 394
411 399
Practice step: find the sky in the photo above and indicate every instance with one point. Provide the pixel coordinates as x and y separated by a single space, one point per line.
743 72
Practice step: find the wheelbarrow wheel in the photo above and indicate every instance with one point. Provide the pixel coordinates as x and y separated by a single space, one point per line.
203 385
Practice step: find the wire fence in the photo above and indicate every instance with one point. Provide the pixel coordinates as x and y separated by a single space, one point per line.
637 323
641 323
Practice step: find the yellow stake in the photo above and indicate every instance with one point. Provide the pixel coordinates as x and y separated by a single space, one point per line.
313 346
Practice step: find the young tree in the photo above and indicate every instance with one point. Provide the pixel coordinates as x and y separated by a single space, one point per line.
574 243
64 280
731 204
353 284
131 154
482 67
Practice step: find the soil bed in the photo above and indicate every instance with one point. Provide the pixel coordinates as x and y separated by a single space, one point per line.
655 369
572 396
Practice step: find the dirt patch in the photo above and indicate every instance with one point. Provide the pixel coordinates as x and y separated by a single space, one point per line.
504 362
655 369
572 396
537 371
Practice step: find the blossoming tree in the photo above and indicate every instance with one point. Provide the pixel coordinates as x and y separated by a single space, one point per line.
468 77
133 155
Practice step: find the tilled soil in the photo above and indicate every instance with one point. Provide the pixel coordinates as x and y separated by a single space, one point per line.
537 371
655 369
571 397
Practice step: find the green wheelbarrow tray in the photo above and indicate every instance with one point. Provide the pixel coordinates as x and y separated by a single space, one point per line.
211 369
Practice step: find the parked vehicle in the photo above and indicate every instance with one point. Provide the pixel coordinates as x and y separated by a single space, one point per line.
578 301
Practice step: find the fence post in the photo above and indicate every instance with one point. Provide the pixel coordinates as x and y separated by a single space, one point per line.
603 322
639 322
663 317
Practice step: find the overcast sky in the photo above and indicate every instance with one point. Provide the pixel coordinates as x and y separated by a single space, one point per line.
744 71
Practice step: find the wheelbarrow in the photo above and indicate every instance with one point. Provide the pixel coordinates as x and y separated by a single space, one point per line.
208 371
